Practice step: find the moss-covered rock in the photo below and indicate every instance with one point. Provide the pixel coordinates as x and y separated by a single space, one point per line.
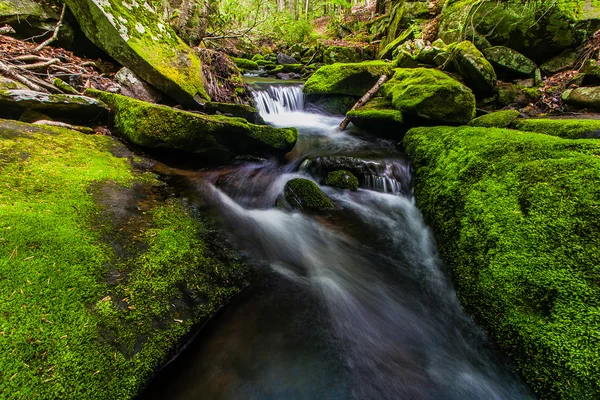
134 35
347 54
477 72
9 84
245 65
304 194
430 95
517 222
565 60
249 113
394 24
388 50
215 137
353 79
497 119
509 61
565 128
585 97
102 279
342 179
591 74
537 29
380 118
517 95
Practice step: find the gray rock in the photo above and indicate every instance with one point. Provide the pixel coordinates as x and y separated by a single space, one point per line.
586 97
291 75
74 106
284 59
133 86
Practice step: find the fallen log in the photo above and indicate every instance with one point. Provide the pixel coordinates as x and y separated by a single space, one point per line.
363 100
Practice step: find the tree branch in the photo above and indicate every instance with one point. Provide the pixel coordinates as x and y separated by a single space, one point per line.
55 34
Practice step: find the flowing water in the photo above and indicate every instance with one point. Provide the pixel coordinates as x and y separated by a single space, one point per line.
357 305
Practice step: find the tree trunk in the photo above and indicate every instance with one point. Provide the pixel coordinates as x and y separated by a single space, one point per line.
363 100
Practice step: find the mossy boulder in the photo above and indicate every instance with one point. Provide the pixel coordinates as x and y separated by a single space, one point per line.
429 95
536 29
565 128
304 194
477 72
394 24
565 60
380 118
584 97
347 54
591 71
104 274
215 137
245 65
134 35
353 79
497 119
388 51
517 223
342 179
509 61
247 112
517 95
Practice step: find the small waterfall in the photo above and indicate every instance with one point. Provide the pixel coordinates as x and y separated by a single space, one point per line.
279 99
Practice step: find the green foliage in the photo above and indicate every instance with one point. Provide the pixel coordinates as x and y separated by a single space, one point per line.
517 221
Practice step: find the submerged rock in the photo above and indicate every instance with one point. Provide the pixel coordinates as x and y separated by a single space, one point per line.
133 86
135 36
517 223
304 194
477 72
430 95
342 180
497 119
215 137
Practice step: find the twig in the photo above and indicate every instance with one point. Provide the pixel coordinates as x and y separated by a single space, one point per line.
6 29
31 57
55 34
41 65
10 73
363 100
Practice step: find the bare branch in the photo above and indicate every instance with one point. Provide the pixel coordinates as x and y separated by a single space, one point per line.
11 73
56 30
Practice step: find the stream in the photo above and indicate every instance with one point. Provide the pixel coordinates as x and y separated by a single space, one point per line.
354 303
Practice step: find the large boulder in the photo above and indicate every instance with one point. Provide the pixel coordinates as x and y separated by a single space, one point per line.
380 118
477 72
353 79
517 223
430 96
133 86
134 35
104 271
585 97
538 30
565 128
215 137
509 61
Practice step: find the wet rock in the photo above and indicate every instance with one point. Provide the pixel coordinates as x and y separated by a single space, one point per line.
287 76
134 35
477 72
215 137
133 86
342 180
73 106
304 194
380 118
249 113
322 166
284 59
510 61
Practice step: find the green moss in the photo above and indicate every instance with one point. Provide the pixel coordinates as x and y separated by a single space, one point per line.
347 54
257 57
516 95
431 95
379 118
216 137
245 65
510 61
303 194
81 318
342 179
565 128
388 50
517 222
477 72
65 87
353 79
498 119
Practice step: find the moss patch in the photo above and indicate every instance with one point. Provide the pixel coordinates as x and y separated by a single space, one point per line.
353 79
304 194
565 128
342 179
498 119
245 65
93 304
517 221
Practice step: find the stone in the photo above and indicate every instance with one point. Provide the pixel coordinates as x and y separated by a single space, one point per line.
496 119
477 72
591 69
584 97
379 118
9 84
565 128
342 179
287 76
563 61
351 79
387 52
247 112
509 61
135 36
304 194
245 65
517 96
133 86
347 54
284 59
217 138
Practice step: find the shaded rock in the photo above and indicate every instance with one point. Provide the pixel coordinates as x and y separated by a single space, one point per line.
477 72
304 194
291 75
429 95
330 104
216 137
74 107
510 61
30 116
284 59
517 96
394 26
497 119
342 180
585 97
591 69
347 54
223 79
388 51
565 128
380 118
249 113
134 35
353 79
133 86
563 61
245 64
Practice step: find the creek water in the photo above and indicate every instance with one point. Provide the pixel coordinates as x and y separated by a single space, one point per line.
356 304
